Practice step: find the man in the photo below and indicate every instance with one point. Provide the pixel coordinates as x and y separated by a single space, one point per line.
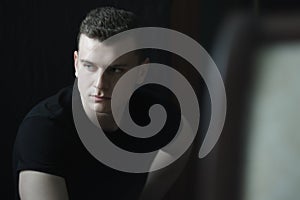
50 161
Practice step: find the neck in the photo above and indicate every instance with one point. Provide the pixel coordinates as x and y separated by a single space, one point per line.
103 120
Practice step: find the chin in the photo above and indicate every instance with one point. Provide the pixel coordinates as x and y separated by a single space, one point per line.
99 108
102 114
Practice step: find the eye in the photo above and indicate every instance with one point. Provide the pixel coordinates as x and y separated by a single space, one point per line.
90 67
115 70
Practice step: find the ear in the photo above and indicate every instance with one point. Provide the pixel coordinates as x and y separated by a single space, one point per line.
76 63
143 72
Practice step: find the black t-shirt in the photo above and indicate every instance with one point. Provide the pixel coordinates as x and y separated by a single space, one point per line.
47 141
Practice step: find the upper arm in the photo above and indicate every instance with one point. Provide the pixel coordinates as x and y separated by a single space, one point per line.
38 154
159 182
36 185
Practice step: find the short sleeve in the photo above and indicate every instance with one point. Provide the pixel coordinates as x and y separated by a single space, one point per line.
39 146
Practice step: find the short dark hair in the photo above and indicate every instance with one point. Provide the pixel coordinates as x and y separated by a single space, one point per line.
104 22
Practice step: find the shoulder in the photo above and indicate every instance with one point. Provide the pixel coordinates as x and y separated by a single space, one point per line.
48 118
41 137
54 107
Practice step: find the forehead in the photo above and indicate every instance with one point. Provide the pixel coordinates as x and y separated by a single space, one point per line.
95 51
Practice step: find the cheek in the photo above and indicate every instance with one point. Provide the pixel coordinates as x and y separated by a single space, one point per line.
84 83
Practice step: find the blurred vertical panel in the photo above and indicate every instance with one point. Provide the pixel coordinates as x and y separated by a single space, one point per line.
234 172
273 163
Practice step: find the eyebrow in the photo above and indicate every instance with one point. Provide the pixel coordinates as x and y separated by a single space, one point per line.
113 65
86 61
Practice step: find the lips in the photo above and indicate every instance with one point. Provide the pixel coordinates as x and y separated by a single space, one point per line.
98 98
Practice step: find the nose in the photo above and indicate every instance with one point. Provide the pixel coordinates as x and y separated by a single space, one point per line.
101 80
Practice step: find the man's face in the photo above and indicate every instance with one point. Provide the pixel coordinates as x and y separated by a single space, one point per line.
97 74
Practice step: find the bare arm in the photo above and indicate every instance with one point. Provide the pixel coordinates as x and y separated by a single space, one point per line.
159 182
34 185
